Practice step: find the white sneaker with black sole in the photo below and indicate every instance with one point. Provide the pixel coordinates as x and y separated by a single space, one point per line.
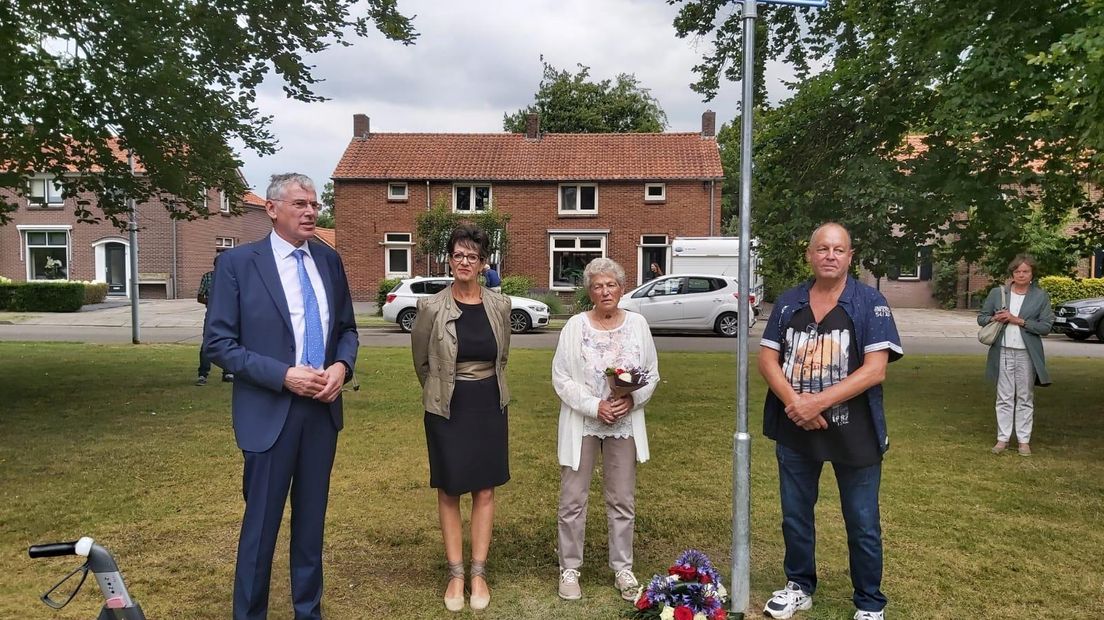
788 601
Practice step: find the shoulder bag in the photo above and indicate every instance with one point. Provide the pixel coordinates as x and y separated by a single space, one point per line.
989 333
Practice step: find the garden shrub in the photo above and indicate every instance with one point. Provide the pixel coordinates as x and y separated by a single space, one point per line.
553 301
582 300
516 285
385 287
95 292
46 296
1062 289
945 283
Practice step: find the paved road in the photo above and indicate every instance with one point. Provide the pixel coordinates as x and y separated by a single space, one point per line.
181 321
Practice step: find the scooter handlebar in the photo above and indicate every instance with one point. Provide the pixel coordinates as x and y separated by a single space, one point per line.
53 550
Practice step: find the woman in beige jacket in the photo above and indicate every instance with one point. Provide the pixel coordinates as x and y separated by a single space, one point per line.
460 342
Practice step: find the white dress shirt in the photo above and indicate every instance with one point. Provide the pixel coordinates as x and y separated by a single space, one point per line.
288 268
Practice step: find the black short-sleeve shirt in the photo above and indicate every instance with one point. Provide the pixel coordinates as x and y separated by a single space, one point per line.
816 356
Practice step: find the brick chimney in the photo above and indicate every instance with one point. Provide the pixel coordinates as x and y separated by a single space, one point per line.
532 126
709 124
361 126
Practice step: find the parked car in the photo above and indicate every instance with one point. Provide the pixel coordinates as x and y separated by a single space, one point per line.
1080 318
689 302
401 306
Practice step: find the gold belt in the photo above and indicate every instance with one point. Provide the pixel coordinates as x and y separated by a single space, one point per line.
474 371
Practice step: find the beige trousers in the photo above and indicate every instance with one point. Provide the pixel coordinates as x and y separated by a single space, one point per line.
1015 395
619 484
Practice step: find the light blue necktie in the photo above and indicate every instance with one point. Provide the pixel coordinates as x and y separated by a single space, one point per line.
314 353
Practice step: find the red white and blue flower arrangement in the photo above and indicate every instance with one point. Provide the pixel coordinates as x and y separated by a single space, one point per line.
691 590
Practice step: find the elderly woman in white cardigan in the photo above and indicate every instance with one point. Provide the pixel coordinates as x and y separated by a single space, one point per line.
591 423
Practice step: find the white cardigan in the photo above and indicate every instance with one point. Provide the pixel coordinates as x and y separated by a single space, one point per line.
576 399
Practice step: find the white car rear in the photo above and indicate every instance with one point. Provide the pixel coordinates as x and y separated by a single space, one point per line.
689 302
401 306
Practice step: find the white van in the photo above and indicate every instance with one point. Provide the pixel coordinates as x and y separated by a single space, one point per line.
716 255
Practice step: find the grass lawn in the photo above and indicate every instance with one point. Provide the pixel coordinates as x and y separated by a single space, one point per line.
115 442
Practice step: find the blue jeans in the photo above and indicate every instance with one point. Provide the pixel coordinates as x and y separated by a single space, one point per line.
799 484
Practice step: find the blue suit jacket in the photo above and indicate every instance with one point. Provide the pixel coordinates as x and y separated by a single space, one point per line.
248 333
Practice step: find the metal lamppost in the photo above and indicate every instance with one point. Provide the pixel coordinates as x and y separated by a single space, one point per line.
741 450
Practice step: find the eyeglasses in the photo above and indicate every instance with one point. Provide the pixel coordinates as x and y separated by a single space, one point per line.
301 205
610 286
460 257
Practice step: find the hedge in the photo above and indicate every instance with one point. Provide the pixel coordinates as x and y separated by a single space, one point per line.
1062 289
95 292
516 285
385 287
46 296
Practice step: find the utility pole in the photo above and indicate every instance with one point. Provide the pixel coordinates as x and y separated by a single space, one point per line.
132 226
740 592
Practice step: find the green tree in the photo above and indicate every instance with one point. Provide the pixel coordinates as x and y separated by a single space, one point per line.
432 229
572 103
1002 93
173 81
326 214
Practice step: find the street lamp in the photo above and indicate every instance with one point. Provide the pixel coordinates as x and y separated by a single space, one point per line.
741 448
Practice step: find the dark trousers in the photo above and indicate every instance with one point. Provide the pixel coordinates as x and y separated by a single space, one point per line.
300 460
799 484
204 364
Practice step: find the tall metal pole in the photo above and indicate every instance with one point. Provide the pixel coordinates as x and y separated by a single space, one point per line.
132 226
741 457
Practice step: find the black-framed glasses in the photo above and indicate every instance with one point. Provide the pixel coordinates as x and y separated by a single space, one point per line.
812 330
55 604
461 257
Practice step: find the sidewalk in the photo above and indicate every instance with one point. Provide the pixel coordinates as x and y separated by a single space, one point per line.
186 313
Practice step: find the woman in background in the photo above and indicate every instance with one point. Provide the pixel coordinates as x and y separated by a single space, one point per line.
1016 362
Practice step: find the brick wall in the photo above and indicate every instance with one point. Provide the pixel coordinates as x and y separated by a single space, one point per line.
365 215
195 241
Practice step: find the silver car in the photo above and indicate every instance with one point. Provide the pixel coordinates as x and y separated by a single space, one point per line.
689 302
401 306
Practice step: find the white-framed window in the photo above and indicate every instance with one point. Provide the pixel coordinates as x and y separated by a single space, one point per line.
655 192
654 249
47 251
569 254
224 243
578 199
396 254
224 202
471 198
45 191
910 270
397 191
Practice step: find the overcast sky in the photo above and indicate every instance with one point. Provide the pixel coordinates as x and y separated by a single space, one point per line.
474 61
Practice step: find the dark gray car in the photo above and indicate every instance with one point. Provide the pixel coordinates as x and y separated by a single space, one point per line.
1080 318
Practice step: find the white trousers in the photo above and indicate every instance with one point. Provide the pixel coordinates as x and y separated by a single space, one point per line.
1015 395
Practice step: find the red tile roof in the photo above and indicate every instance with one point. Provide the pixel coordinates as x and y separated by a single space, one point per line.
511 156
327 236
253 200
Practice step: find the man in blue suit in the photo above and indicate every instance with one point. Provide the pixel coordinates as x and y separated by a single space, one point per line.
281 320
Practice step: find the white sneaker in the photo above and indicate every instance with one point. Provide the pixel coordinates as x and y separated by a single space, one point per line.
626 583
785 602
569 585
869 615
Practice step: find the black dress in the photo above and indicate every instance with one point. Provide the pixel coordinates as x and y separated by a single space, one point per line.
468 451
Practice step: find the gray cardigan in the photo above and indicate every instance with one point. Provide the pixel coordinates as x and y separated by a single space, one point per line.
1038 317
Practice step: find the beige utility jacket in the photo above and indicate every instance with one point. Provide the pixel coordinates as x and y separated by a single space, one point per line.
433 343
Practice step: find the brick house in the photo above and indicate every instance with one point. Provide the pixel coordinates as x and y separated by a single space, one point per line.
172 257
570 197
909 284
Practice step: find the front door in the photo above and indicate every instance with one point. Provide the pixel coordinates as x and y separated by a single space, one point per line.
115 258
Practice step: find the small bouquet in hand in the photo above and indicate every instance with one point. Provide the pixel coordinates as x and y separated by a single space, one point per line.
691 590
625 381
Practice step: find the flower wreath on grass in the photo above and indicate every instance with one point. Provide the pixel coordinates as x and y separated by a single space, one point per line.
691 590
